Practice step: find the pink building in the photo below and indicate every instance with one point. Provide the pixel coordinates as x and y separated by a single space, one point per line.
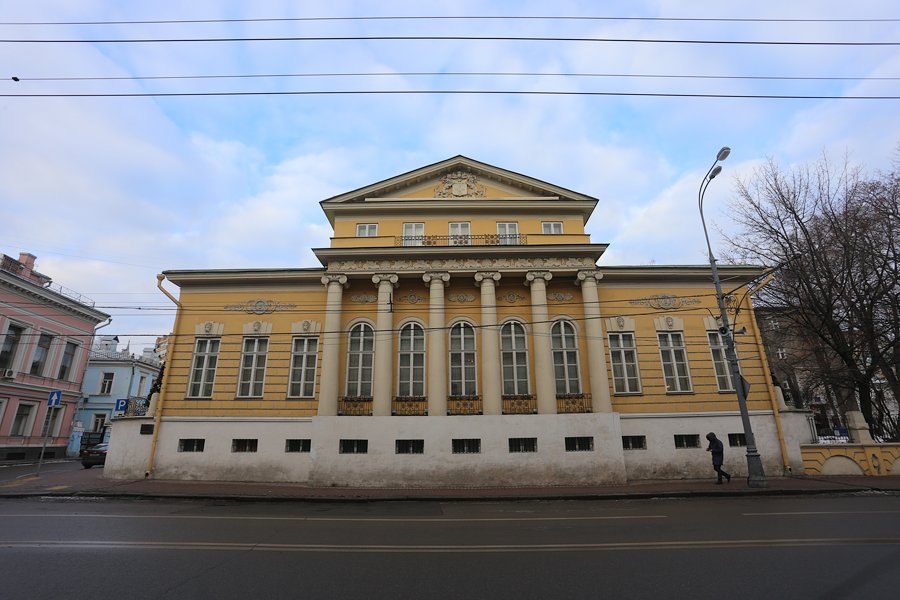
46 333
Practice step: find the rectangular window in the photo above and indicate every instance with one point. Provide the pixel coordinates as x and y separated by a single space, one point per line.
687 441
21 425
580 444
98 423
623 357
523 445
366 229
552 227
737 439
303 367
51 422
10 346
244 445
353 447
191 444
634 442
253 367
674 362
142 382
414 234
106 383
300 445
720 362
41 352
508 234
466 446
68 358
410 447
460 234
203 371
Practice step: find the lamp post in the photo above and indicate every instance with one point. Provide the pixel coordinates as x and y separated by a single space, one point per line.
756 477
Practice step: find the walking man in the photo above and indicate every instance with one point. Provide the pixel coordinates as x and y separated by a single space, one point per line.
718 455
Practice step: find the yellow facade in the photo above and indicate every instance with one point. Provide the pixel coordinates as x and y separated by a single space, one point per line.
305 298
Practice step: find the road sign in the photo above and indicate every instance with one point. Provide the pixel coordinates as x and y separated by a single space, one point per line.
121 404
55 398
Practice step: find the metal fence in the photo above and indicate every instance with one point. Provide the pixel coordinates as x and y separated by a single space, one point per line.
828 429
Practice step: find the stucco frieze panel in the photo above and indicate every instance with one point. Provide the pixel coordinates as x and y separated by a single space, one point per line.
460 298
260 306
410 298
209 328
363 298
559 296
665 302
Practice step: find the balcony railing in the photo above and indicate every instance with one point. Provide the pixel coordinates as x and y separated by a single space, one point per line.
409 406
464 405
355 406
519 404
828 429
461 240
573 403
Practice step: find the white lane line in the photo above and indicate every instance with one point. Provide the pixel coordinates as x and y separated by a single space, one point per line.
508 548
821 512
353 519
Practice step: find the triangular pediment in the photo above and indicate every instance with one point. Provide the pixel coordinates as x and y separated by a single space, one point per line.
457 178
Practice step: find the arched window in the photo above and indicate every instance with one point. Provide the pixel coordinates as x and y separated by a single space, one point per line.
412 361
462 360
514 358
565 358
360 353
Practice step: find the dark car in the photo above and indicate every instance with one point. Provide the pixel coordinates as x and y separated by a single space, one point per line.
95 455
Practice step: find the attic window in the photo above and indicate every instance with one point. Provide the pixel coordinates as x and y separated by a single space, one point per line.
366 229
552 227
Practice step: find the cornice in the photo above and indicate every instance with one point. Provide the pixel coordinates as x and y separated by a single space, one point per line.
51 297
248 277
735 274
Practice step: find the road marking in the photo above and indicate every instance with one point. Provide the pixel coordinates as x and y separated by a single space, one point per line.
358 519
56 488
21 480
821 512
499 548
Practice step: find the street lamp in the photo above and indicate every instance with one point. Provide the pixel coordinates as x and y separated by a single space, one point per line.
756 477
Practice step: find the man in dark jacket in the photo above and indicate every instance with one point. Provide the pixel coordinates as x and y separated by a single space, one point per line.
718 455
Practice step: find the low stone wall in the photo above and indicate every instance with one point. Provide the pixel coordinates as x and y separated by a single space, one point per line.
850 459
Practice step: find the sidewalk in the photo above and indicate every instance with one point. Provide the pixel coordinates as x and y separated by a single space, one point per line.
90 483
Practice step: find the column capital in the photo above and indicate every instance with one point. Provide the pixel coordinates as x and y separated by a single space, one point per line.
334 278
482 276
531 276
380 278
594 274
434 276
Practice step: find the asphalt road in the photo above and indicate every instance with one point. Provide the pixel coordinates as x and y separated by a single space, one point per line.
738 547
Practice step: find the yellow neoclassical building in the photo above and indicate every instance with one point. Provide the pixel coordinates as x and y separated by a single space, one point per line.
459 332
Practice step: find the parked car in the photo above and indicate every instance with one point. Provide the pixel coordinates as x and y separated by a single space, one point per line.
95 455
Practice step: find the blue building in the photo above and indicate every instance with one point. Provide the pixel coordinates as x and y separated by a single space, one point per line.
111 375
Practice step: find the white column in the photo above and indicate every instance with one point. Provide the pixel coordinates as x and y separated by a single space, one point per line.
544 379
437 344
383 366
593 330
329 378
491 374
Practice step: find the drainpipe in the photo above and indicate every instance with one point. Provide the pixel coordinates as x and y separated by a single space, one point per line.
773 398
168 375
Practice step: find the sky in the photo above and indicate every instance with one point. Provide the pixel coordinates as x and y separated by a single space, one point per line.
109 191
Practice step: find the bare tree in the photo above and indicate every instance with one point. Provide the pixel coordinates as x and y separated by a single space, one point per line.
833 234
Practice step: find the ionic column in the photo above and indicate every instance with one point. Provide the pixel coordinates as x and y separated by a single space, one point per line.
544 379
329 378
491 373
437 345
593 330
383 366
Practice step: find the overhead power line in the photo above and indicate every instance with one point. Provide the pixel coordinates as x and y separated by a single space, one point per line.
453 92
457 74
466 38
459 18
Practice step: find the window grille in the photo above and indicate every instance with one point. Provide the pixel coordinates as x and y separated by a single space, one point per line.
580 444
634 442
527 444
244 445
687 441
410 447
353 447
466 446
191 444
298 445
